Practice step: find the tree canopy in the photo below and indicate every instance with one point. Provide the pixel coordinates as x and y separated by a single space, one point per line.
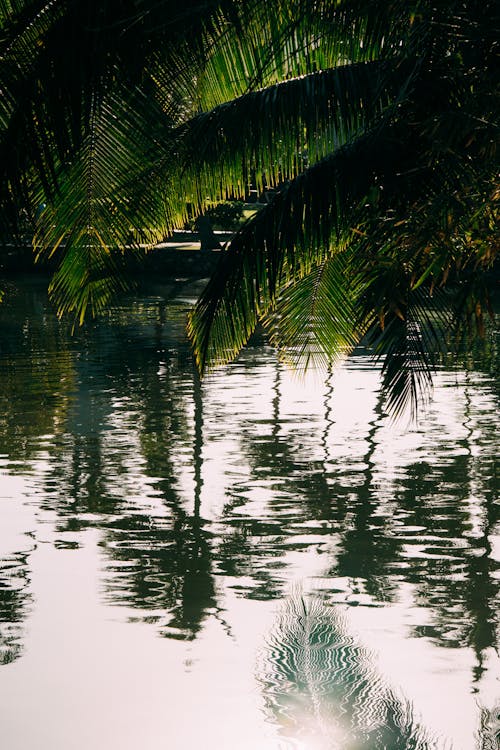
372 125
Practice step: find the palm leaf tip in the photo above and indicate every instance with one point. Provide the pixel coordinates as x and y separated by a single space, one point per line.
312 322
407 368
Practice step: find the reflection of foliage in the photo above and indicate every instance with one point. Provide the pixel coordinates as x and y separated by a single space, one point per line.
489 731
443 568
370 525
89 469
368 546
320 684
14 602
127 451
93 449
36 374
162 568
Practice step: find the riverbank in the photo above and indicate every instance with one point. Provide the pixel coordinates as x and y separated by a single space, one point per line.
180 255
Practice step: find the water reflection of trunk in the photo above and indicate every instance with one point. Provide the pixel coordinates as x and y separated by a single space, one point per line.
36 375
282 459
306 495
168 554
452 571
329 421
321 687
77 481
184 567
198 443
481 595
482 592
15 601
333 495
368 548
276 404
198 591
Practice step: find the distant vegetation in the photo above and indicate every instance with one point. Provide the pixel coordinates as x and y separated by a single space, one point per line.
227 216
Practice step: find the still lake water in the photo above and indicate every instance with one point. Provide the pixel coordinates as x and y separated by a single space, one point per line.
254 562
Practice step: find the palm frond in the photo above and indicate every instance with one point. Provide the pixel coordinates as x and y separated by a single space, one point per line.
271 42
313 321
88 279
375 124
263 43
407 366
99 213
271 135
306 220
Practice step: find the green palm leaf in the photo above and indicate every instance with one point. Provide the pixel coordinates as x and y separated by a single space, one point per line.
268 43
276 132
99 214
313 320
375 123
307 220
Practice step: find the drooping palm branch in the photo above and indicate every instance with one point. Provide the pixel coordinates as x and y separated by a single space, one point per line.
375 124
421 190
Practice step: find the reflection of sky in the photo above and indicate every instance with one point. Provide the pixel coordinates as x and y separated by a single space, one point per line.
295 479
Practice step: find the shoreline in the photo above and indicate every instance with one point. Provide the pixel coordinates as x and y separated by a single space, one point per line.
179 255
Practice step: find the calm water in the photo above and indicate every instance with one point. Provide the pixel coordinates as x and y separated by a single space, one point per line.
253 562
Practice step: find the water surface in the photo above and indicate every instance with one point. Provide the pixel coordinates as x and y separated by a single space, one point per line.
253 561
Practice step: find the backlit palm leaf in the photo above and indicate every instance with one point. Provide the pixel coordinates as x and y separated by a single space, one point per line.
313 319
276 41
308 219
274 133
375 124
94 218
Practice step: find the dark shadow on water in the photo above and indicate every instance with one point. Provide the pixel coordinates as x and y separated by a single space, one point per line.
15 605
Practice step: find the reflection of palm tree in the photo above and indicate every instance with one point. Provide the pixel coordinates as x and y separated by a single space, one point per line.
329 421
481 600
36 373
14 604
368 547
457 568
489 730
122 385
276 456
194 561
481 594
445 573
198 443
163 568
120 353
306 496
198 591
169 558
320 684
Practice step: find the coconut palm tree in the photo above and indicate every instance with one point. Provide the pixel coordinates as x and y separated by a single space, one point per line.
372 125
383 219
